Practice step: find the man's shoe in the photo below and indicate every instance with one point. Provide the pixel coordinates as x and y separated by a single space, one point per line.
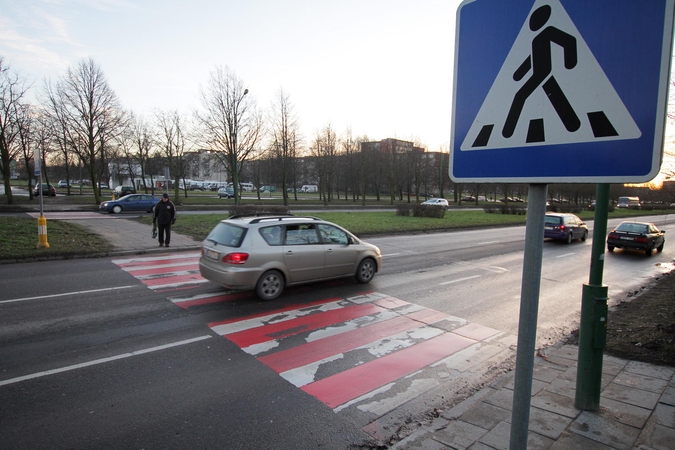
161 245
166 245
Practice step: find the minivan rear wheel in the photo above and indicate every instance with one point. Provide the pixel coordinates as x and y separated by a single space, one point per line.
270 285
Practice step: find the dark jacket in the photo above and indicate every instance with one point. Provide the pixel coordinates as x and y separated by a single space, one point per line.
165 212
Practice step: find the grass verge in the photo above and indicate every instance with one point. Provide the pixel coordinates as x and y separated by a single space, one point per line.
19 237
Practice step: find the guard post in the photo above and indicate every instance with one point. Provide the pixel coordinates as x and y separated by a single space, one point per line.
42 232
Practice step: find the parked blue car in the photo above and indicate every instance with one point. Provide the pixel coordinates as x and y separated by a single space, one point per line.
132 202
565 227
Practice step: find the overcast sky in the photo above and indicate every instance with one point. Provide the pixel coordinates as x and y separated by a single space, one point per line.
382 67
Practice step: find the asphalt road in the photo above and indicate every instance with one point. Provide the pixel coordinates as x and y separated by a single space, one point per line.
94 353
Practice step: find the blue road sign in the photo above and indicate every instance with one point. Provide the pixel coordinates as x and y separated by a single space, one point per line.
554 91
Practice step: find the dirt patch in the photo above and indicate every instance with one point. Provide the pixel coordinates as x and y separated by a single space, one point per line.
642 327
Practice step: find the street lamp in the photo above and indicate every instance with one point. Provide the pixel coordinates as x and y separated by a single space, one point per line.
235 162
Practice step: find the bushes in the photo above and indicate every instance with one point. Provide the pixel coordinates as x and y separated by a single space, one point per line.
506 209
419 210
252 210
403 209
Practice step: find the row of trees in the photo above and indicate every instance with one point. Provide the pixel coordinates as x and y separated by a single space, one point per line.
78 121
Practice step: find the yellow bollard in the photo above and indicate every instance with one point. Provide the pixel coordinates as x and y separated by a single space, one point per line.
42 232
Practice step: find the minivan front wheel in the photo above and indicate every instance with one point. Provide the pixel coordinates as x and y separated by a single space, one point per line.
270 285
366 271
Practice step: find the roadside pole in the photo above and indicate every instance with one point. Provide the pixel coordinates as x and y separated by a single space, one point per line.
593 325
527 322
42 221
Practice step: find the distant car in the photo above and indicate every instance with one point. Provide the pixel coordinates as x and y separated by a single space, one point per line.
564 227
62 184
48 190
437 202
468 198
637 235
132 202
227 192
121 191
267 253
103 186
629 203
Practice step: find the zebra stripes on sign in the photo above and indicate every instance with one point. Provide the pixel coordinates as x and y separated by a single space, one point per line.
343 351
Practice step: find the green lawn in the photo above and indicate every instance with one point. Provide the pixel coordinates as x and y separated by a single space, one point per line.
18 235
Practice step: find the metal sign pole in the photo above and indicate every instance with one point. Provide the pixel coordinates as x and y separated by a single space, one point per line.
527 323
593 323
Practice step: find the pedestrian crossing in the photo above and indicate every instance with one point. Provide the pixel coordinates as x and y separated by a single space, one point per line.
164 272
372 351
346 351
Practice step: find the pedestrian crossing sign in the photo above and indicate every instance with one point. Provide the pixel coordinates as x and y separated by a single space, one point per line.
560 90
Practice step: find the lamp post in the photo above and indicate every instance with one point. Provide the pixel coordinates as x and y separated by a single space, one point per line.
235 152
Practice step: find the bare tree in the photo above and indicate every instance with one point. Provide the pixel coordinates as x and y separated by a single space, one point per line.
13 89
172 141
142 143
231 124
285 139
324 150
91 116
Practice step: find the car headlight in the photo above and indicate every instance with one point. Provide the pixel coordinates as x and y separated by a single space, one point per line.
105 205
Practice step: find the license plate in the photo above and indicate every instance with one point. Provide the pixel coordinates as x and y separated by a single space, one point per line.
212 254
548 228
627 238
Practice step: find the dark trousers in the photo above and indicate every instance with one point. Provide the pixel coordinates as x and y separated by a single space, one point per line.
161 230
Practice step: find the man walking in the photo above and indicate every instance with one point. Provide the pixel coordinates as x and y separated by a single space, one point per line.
165 216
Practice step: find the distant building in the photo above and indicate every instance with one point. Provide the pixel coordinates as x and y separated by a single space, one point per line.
391 146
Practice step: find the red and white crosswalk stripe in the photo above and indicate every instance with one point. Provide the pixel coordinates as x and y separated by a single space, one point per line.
164 271
339 350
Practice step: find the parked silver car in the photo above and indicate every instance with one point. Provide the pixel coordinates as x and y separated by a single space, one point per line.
270 252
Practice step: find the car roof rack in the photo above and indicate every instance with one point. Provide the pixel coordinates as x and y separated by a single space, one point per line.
261 217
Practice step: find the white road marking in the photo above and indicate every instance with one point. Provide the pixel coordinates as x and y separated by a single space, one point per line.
181 255
65 294
565 255
458 280
487 243
391 254
103 360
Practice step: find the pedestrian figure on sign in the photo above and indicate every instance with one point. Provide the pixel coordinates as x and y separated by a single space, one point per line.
540 61
165 216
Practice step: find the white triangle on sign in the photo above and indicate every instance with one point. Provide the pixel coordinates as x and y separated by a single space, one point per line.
601 113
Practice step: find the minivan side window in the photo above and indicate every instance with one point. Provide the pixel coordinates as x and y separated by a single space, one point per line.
302 234
272 235
333 235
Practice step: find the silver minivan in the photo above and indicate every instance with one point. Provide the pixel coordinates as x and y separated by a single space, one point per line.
270 252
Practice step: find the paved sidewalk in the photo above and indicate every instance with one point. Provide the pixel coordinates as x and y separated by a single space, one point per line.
637 410
131 237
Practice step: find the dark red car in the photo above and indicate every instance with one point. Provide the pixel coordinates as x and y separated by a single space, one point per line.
636 235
